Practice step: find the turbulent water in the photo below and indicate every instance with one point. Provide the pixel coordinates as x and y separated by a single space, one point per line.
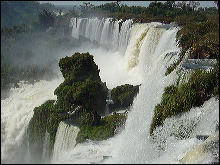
129 53
16 112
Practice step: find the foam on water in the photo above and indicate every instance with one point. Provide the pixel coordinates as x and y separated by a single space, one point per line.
134 54
16 112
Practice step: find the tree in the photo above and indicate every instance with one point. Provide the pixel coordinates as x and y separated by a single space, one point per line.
193 5
169 4
46 18
156 8
86 8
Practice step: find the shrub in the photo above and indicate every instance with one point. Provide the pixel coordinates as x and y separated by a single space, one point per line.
123 95
89 94
80 67
181 98
103 131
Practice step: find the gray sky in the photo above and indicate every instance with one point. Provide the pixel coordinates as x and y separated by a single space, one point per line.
129 3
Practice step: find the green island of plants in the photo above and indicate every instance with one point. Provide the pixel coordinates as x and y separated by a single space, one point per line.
123 96
81 100
182 97
101 131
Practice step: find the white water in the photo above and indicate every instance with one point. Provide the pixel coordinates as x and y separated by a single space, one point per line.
46 148
16 112
65 139
136 58
104 31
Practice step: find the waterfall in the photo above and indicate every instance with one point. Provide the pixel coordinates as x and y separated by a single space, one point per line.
107 32
46 148
127 52
65 139
151 47
16 112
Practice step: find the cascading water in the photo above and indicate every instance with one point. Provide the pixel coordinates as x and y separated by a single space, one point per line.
137 148
107 32
16 112
46 148
128 53
65 140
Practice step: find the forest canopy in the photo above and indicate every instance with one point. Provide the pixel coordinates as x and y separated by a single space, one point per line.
21 12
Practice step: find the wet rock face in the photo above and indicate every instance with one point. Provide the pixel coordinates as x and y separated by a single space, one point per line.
210 145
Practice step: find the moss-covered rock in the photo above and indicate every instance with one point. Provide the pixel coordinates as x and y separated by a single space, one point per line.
79 67
81 100
44 119
104 130
81 93
82 85
182 97
89 94
123 96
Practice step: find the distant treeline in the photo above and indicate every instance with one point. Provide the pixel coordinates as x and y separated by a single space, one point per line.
25 24
21 12
167 11
28 48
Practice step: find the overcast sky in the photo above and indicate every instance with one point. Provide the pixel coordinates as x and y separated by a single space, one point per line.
129 3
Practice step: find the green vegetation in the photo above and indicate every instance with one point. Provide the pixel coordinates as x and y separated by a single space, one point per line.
82 93
201 38
29 24
82 85
30 32
123 95
14 13
46 18
45 118
103 131
80 67
90 94
35 23
200 26
182 97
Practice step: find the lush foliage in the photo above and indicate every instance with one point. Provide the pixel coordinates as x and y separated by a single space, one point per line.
200 26
46 18
44 119
199 36
78 101
82 85
123 95
82 93
89 94
79 66
24 46
166 11
21 12
103 131
181 98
